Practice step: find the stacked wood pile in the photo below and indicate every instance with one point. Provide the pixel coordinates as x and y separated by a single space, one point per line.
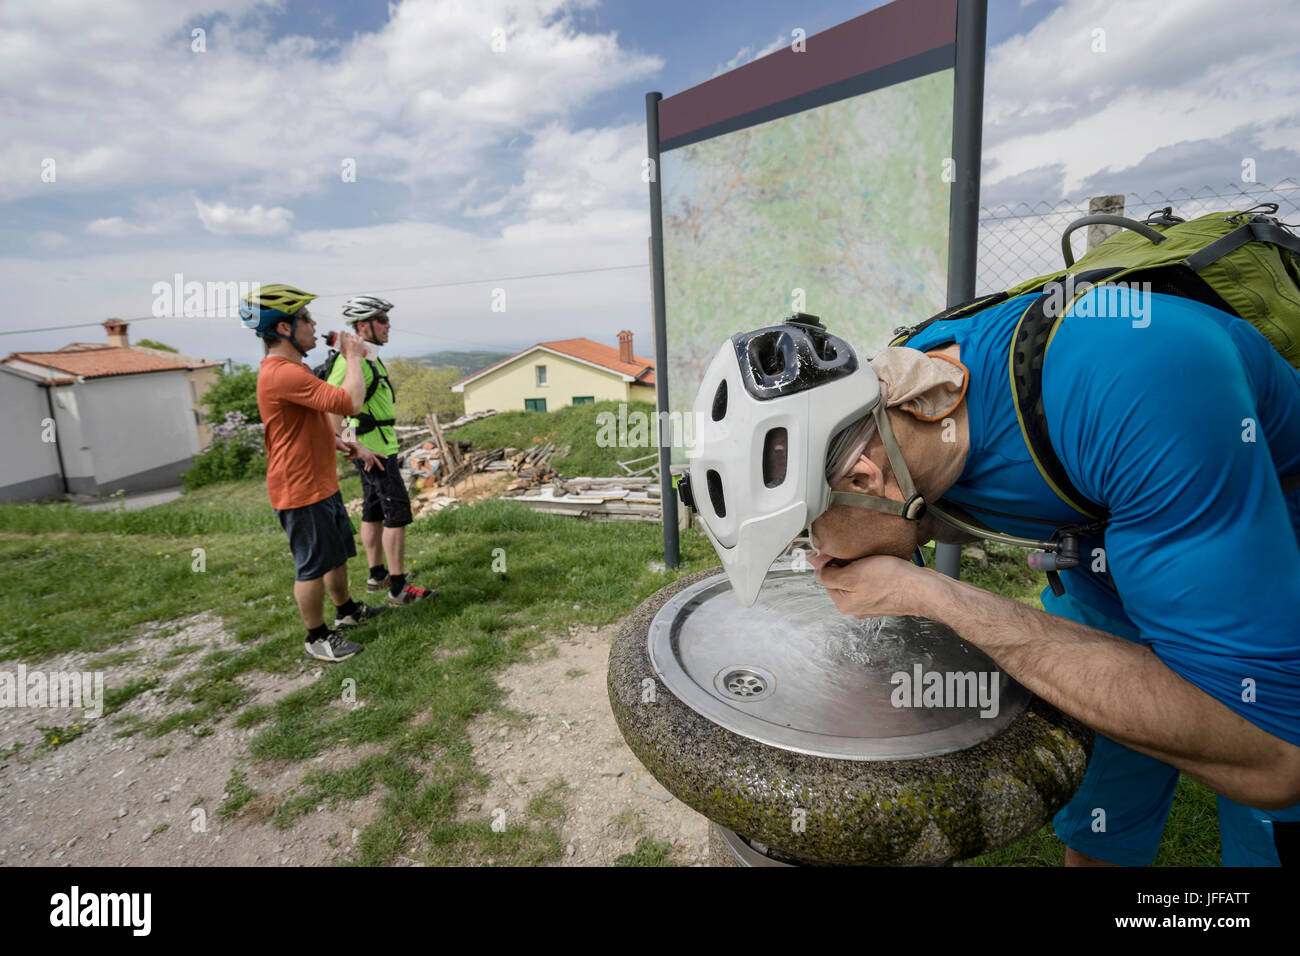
617 499
530 468
428 503
466 419
645 465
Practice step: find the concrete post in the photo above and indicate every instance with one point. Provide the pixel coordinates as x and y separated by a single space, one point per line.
1112 205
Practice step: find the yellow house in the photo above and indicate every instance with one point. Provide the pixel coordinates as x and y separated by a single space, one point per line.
552 375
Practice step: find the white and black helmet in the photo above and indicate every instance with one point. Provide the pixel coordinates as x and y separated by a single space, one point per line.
774 406
362 307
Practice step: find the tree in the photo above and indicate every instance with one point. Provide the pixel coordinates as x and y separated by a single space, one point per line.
233 391
421 390
151 344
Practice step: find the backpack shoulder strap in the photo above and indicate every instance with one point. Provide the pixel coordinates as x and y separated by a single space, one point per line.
1029 342
374 383
962 310
323 370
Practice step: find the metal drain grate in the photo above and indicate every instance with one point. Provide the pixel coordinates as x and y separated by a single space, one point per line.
744 683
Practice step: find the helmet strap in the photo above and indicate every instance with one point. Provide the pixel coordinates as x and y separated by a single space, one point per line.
371 337
291 337
912 507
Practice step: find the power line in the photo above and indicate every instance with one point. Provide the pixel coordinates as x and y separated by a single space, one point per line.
337 295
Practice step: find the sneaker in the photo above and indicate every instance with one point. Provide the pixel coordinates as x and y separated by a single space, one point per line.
332 647
410 594
375 584
363 613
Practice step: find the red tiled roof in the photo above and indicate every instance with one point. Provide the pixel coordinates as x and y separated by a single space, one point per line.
189 361
640 369
100 362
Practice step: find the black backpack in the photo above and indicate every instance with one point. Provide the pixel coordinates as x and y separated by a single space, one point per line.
365 421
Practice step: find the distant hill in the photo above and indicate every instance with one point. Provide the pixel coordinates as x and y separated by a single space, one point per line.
466 362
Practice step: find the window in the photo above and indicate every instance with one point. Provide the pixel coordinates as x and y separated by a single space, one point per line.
584 399
541 375
534 404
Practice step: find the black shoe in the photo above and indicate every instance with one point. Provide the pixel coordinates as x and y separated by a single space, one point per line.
332 647
364 612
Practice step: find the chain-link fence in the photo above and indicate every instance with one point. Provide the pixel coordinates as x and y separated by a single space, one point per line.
1021 241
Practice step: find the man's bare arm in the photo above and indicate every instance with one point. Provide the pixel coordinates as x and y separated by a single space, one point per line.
1121 689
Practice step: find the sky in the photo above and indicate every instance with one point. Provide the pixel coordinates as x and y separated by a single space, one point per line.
500 139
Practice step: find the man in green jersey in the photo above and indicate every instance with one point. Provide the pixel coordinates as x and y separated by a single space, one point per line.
386 506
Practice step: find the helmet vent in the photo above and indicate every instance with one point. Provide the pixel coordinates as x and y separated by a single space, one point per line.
715 493
775 456
720 402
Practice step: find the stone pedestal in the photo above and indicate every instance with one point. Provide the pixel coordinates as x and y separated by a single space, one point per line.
819 810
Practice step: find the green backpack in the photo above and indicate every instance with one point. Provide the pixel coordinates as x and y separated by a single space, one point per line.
1245 263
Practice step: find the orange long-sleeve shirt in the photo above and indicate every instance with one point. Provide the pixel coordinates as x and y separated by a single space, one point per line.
301 468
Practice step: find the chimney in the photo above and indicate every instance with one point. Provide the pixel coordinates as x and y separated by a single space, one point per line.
116 333
625 347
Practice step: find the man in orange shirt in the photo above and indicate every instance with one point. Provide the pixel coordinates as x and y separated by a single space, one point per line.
300 475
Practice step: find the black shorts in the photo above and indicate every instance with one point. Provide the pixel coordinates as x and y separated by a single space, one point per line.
320 536
383 494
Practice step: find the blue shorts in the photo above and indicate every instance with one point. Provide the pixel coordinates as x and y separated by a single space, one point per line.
320 536
1118 813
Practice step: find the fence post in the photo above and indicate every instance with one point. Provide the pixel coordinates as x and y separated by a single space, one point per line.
1112 205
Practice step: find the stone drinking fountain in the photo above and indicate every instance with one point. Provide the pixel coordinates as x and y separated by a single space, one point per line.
787 725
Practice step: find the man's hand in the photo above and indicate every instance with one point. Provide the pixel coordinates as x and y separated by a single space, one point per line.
876 585
368 458
351 347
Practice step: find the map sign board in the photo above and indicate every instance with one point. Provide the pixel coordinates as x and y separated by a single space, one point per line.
820 179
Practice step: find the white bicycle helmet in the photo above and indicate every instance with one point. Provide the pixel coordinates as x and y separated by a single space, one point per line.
775 408
362 307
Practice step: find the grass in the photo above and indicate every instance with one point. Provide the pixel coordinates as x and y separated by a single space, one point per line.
427 671
238 793
650 851
1191 836
90 581
577 427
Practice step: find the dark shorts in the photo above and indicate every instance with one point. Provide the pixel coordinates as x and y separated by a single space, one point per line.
383 494
320 536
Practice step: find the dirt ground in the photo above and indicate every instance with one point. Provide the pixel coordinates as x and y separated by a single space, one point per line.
106 800
571 736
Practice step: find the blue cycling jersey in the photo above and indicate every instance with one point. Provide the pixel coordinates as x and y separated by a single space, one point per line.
1178 418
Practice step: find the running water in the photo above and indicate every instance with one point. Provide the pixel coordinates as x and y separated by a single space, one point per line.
832 672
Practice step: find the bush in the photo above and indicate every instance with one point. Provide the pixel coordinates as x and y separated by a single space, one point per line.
233 391
421 390
237 451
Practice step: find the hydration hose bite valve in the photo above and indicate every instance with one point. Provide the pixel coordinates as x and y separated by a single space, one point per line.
1065 556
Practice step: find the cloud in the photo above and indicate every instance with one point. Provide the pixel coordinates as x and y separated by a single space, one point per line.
746 54
115 227
422 101
226 220
47 239
1163 76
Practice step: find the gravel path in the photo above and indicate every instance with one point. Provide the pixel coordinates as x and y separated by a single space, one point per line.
106 800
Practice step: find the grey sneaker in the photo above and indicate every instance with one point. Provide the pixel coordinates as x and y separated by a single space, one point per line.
410 594
332 647
363 613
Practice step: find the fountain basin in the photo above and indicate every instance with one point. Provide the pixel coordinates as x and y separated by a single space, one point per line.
777 723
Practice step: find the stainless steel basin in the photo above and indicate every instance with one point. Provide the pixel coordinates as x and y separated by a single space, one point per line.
794 673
